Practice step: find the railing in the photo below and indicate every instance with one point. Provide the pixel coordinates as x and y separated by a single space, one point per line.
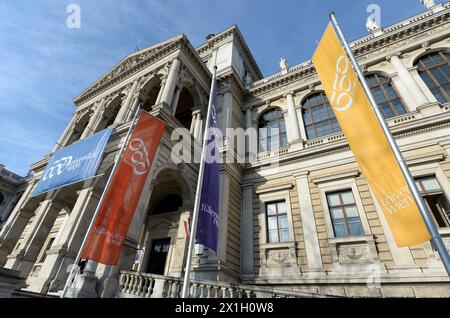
143 285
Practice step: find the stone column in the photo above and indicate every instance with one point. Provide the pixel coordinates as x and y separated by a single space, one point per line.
224 200
247 257
172 78
403 92
133 108
175 100
89 130
301 123
198 126
54 271
33 241
312 247
405 76
248 118
85 284
193 122
295 129
227 110
15 224
60 143
126 105
163 84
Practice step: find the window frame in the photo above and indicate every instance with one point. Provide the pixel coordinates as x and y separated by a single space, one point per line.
382 85
425 193
308 108
279 133
269 194
276 216
422 68
432 167
343 206
337 185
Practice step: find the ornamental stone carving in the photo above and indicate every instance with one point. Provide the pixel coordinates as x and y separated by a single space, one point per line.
278 257
354 253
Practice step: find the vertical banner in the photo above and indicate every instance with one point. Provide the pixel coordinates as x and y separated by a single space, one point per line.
208 220
367 141
116 213
74 163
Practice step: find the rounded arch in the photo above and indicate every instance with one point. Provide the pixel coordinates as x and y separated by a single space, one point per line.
271 129
169 203
150 91
186 101
318 116
80 126
434 69
386 95
170 180
414 58
111 111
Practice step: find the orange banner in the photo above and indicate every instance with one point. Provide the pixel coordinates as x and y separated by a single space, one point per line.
111 225
367 141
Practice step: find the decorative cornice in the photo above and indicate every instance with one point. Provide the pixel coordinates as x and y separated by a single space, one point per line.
362 47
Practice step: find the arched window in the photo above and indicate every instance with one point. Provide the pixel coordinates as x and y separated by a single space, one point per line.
318 116
434 69
272 130
387 98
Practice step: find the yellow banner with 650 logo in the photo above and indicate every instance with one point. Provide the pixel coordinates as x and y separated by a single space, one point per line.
367 141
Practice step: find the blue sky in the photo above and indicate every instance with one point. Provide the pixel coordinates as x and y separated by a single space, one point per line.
44 64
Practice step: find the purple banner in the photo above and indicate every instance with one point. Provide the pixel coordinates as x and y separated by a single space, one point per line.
208 220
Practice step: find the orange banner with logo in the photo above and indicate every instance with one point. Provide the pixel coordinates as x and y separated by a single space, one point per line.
117 210
367 141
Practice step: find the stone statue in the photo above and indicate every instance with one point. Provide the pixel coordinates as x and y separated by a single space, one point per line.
428 3
283 64
371 25
248 79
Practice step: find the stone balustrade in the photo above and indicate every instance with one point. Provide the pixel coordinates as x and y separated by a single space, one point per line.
143 285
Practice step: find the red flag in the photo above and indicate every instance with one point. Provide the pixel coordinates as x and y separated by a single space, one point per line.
117 210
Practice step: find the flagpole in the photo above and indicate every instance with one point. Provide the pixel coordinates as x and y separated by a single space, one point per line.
434 233
197 195
97 210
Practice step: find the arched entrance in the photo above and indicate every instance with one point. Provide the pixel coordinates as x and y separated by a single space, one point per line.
163 242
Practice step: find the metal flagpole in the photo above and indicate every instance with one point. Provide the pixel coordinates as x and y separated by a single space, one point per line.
197 195
97 210
436 239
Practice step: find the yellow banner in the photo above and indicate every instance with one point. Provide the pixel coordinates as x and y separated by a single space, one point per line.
367 141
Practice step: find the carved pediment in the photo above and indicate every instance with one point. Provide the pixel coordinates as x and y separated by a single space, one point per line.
130 64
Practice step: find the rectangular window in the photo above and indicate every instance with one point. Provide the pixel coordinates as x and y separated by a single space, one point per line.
344 214
277 222
435 199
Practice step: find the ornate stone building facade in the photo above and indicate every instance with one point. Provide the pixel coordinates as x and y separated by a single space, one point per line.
11 189
300 216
